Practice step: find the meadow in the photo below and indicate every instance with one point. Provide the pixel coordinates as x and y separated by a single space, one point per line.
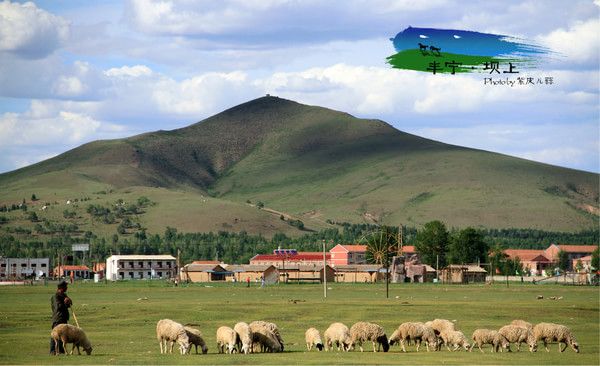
120 319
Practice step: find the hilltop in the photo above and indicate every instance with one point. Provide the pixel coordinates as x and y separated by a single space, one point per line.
305 163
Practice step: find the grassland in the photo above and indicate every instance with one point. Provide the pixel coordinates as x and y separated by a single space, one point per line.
121 323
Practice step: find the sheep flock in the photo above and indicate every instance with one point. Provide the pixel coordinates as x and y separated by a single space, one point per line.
265 337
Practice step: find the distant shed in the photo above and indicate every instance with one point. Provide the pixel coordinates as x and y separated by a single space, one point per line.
457 273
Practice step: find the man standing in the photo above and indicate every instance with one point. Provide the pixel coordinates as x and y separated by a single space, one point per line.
60 303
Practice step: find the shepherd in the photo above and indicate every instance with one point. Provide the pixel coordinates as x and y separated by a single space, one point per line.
60 303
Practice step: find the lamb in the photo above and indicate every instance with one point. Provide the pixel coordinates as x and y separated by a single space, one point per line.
168 332
522 323
339 334
518 335
454 338
364 331
487 336
549 332
195 338
414 331
313 338
441 325
267 336
244 337
67 333
226 340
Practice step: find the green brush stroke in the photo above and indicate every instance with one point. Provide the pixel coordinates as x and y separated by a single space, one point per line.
415 60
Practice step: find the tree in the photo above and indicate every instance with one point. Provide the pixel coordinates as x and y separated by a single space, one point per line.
260 204
467 246
497 258
432 242
33 197
33 217
595 259
563 260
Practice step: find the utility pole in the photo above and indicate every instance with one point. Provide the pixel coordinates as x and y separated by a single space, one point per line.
324 272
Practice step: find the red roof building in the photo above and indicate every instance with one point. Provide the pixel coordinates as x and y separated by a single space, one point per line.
302 258
344 254
574 252
408 249
72 271
534 260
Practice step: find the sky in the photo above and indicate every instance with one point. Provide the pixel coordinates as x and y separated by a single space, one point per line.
74 71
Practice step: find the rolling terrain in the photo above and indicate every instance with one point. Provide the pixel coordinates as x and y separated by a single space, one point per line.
303 162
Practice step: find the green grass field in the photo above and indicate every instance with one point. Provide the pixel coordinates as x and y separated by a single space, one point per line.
121 326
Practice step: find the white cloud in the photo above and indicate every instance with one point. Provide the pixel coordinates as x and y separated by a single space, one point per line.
579 44
129 71
29 31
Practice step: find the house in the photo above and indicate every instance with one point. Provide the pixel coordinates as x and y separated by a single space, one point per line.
573 252
586 263
357 273
306 273
243 272
136 266
419 273
204 273
408 250
207 262
533 260
458 273
76 272
13 268
345 254
301 258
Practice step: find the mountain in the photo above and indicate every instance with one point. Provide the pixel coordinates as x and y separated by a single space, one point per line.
313 164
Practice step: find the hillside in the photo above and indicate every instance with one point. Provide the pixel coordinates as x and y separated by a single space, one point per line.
313 164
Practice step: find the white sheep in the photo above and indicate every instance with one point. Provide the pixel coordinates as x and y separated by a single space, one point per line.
313 338
67 333
441 325
487 336
363 331
454 338
168 332
339 334
522 323
244 337
417 332
267 336
518 335
195 337
226 340
550 332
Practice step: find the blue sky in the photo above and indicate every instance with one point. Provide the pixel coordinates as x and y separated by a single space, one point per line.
77 71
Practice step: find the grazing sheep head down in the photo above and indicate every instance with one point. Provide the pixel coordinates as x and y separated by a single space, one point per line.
384 342
574 345
319 346
88 350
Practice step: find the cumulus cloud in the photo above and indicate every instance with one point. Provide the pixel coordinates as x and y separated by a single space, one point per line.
579 44
30 32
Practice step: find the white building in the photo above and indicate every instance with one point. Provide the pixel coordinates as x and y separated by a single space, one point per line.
11 268
129 267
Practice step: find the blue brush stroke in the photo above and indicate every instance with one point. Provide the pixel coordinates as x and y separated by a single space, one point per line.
468 43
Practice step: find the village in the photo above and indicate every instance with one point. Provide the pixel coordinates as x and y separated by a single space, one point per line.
343 263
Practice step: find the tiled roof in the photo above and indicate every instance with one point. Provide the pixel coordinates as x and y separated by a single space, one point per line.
527 254
577 248
352 247
74 268
248 267
408 249
206 262
301 256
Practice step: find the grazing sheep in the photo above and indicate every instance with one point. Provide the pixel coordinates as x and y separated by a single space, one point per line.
417 332
364 331
67 333
244 337
313 338
549 332
339 334
439 326
454 338
522 323
226 340
487 336
168 332
195 338
266 335
518 335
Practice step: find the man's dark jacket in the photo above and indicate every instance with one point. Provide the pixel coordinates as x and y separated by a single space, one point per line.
60 310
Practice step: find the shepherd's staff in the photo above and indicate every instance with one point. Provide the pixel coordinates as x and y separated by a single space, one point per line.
75 317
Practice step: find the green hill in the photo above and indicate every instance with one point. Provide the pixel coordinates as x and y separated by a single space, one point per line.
313 164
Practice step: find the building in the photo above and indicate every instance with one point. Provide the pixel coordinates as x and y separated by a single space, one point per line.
75 272
535 261
99 268
586 263
573 252
13 268
459 274
128 267
419 273
243 272
204 273
306 273
345 254
301 258
357 273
